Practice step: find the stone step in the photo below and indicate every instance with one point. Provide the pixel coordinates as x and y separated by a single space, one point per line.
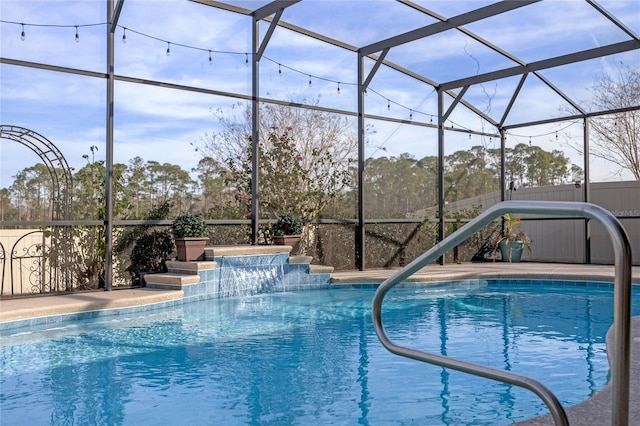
170 280
300 259
320 269
191 267
244 250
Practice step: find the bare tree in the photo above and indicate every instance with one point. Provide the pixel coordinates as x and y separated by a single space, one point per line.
616 137
311 129
314 132
306 158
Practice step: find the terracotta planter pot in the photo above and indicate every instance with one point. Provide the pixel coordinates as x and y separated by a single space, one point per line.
288 240
190 249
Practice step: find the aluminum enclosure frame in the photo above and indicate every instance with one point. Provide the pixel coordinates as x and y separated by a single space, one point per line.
453 23
274 12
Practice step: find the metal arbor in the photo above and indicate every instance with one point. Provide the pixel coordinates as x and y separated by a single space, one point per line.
48 263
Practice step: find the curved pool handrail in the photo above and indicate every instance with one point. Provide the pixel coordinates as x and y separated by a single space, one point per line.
622 302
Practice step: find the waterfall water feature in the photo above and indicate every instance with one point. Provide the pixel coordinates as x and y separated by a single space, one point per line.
248 275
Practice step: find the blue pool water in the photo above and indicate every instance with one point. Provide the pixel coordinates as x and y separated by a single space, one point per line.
312 358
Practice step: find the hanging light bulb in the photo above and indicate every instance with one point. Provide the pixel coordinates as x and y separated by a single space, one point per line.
124 36
469 136
246 59
168 48
411 114
210 59
388 105
279 70
431 120
309 80
77 35
338 87
22 36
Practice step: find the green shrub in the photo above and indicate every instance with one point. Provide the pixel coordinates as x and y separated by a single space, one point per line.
188 225
287 225
150 252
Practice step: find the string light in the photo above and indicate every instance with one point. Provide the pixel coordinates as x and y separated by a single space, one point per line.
210 57
411 115
339 83
548 133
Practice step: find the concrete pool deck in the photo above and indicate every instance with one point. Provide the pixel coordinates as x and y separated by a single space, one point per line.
594 411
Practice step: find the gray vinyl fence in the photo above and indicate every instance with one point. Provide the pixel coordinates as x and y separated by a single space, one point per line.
562 240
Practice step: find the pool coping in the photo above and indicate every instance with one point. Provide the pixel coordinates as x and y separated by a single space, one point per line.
23 308
17 308
595 410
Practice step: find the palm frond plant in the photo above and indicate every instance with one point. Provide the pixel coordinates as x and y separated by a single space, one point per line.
513 239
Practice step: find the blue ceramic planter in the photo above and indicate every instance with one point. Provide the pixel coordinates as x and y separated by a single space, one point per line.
511 250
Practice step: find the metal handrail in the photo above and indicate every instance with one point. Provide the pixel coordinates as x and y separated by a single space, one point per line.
622 303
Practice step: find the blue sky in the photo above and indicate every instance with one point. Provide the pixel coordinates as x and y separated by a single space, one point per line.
162 124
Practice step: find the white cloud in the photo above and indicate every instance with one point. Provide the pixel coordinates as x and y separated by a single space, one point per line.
153 121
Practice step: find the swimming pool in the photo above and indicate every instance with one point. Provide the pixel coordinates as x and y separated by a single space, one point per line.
312 357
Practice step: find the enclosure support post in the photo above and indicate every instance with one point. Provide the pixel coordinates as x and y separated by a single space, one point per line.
440 170
255 122
360 231
108 219
503 175
586 191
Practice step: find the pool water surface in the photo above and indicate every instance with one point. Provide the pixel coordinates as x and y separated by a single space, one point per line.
312 358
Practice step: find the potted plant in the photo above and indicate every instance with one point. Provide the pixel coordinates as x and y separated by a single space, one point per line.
513 240
287 230
190 232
